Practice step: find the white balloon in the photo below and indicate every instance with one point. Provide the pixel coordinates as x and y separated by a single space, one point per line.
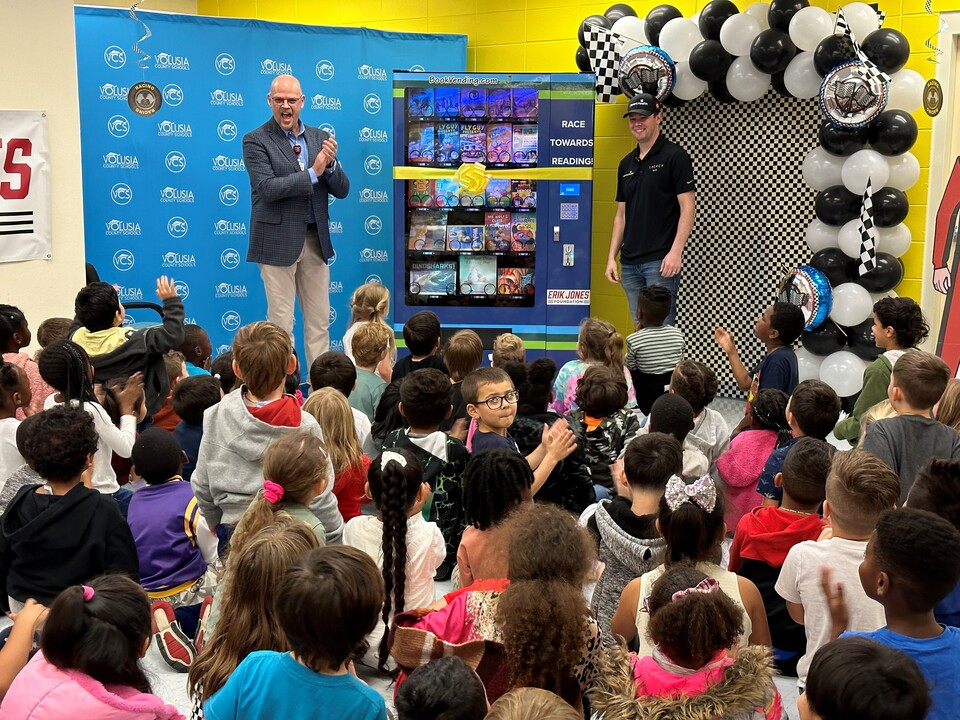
808 364
738 32
821 169
904 171
696 19
633 29
809 26
759 11
745 82
851 304
848 239
679 37
894 240
906 91
862 19
801 76
843 371
688 85
865 164
821 236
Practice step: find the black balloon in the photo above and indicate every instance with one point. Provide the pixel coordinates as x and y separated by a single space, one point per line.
615 12
890 206
583 60
714 14
709 61
838 267
885 276
861 341
591 20
777 81
843 142
657 18
771 51
887 49
836 205
782 11
893 133
833 50
825 340
718 88
673 101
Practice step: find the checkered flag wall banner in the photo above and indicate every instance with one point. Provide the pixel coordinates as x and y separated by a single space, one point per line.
868 234
602 49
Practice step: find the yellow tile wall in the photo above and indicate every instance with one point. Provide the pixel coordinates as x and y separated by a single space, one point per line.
540 35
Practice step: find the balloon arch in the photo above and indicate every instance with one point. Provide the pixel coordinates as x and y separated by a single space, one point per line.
867 98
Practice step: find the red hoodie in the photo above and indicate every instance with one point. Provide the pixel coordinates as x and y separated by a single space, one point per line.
282 412
768 533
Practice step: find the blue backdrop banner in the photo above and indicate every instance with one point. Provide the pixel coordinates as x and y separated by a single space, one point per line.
168 194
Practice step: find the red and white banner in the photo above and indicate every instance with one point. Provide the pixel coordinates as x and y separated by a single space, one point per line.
25 197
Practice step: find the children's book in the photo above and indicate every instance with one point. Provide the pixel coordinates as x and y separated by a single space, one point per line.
473 102
478 275
419 193
419 102
497 231
499 103
525 102
525 144
515 281
523 193
435 277
420 143
446 103
465 238
524 232
448 143
499 142
473 142
498 193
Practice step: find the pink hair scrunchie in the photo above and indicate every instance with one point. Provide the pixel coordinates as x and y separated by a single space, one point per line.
88 593
272 492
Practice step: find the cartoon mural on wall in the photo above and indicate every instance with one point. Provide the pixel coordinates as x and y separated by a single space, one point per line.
946 259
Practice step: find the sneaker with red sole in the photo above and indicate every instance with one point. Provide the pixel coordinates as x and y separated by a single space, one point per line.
205 608
174 646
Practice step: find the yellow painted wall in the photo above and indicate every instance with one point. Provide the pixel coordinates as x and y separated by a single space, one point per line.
540 35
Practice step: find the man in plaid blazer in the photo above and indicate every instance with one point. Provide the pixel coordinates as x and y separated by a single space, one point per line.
293 168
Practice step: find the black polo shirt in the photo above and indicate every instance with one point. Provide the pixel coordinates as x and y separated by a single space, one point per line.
649 187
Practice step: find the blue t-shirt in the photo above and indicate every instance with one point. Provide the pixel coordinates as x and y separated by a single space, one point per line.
774 465
270 684
487 440
938 659
778 371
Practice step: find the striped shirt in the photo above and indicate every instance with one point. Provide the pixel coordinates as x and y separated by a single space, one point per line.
655 349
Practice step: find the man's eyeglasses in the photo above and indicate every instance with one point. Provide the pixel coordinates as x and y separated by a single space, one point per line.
496 402
281 101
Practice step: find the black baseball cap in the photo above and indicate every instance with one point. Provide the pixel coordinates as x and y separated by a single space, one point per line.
643 104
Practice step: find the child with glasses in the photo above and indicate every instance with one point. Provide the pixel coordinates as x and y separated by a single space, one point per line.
491 400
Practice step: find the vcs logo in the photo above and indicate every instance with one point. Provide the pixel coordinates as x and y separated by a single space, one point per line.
114 57
177 227
121 194
227 130
123 260
230 320
325 70
229 195
328 128
225 64
175 161
172 95
371 103
372 165
118 126
230 258
183 290
373 225
333 316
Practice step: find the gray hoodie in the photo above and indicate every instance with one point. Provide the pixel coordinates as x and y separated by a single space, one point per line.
625 557
229 468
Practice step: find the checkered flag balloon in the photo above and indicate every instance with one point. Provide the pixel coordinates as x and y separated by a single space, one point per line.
843 28
605 60
868 234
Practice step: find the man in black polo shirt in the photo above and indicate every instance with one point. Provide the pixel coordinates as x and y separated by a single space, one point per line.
656 203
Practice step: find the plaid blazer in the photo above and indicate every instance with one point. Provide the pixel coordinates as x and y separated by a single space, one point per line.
280 193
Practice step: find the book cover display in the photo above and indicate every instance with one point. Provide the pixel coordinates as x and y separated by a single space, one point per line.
505 244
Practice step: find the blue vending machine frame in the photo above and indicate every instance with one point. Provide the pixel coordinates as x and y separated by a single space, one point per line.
541 290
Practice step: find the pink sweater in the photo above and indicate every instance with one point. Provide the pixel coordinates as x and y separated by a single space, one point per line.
44 692
38 385
739 468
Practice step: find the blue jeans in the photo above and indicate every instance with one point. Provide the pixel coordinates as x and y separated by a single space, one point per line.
634 278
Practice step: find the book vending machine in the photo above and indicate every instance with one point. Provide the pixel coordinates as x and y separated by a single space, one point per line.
493 188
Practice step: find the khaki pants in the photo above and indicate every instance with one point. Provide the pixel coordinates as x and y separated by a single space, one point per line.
308 279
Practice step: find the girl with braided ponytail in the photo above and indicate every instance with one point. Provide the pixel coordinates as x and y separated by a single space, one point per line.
407 548
89 660
66 366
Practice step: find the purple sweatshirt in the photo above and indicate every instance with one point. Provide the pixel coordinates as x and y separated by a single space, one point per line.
163 519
